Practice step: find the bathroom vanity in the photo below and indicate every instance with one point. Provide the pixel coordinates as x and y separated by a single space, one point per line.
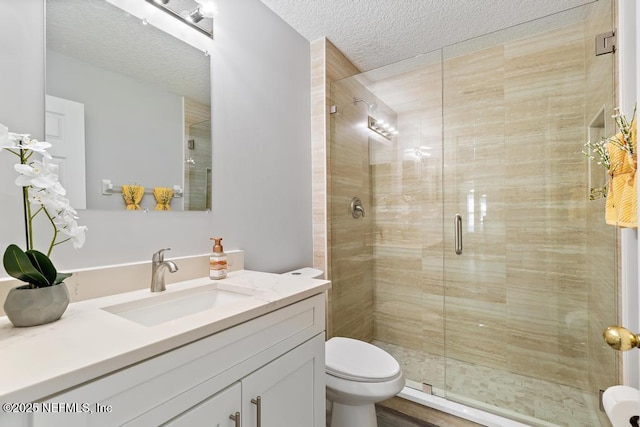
249 353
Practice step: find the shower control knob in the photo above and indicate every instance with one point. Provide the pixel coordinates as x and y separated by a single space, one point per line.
356 208
620 338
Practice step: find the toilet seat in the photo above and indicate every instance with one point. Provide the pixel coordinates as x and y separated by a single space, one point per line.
356 360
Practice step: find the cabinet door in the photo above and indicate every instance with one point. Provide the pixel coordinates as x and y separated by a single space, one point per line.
291 389
214 411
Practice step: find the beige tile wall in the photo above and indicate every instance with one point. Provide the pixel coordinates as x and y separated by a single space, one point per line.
328 64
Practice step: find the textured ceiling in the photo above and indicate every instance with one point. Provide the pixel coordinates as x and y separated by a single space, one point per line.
373 33
99 33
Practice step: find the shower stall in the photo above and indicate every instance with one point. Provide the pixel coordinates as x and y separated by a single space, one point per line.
482 263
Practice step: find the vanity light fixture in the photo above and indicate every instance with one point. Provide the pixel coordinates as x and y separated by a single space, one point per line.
199 14
381 128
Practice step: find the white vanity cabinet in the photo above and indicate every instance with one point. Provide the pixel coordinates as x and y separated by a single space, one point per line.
284 392
275 361
279 394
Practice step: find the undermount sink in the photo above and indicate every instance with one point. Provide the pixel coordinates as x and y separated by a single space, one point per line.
171 306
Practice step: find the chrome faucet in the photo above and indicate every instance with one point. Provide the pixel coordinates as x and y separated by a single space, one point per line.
157 270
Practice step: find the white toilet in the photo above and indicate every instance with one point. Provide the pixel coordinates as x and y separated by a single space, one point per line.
358 375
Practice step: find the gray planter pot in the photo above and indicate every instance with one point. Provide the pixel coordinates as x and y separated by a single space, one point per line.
31 307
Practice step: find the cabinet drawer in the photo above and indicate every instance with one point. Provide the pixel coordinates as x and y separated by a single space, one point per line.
214 411
219 360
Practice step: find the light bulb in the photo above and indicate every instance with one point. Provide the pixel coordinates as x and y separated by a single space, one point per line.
207 8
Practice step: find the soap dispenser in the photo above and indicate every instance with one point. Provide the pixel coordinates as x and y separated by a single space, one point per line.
217 261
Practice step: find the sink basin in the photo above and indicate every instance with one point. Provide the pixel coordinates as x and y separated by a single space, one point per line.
171 306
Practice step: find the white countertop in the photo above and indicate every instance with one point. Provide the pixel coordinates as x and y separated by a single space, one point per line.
88 342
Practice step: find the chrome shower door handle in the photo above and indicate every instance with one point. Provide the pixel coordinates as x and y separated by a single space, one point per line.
457 232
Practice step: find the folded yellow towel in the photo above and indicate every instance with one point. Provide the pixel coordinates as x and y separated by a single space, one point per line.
132 195
163 197
622 197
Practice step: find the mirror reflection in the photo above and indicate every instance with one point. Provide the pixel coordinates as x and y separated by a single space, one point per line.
128 106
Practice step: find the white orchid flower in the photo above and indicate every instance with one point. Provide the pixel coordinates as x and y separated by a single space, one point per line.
62 212
63 221
24 142
51 200
76 233
40 174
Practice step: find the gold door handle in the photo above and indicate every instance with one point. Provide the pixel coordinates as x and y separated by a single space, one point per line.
235 417
620 338
258 402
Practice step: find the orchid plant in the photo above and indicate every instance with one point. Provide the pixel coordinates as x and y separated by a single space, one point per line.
42 195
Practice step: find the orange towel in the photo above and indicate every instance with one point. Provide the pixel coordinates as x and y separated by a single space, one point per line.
163 197
132 195
622 197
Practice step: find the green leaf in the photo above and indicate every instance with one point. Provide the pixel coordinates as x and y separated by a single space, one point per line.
17 264
60 277
43 264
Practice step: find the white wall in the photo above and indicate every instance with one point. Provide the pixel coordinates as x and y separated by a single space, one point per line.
261 150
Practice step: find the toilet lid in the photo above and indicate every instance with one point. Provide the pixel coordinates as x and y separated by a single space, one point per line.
359 361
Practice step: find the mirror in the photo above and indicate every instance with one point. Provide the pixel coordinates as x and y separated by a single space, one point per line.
127 104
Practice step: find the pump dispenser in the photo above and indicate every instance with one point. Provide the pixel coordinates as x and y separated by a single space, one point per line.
217 260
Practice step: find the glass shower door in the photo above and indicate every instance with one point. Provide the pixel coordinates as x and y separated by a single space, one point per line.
527 298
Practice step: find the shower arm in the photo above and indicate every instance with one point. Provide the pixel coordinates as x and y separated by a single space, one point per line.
370 105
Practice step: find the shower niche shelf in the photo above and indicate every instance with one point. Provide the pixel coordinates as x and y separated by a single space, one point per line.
597 185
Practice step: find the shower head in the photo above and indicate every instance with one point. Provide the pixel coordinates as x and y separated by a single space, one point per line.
371 105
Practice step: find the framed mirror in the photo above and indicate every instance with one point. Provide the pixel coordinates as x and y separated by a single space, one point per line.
127 104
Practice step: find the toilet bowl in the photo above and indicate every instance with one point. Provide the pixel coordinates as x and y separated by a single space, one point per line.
358 375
